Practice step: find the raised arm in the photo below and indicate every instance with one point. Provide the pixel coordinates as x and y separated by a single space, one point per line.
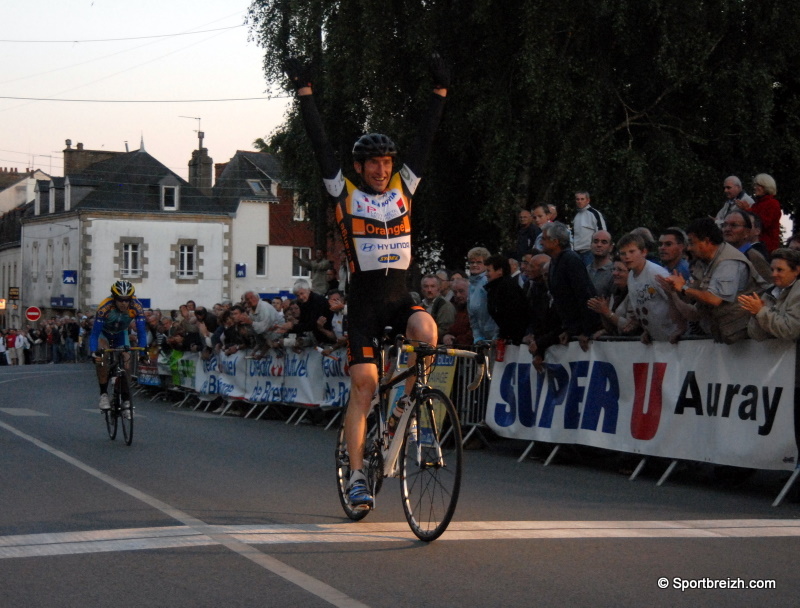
418 153
299 73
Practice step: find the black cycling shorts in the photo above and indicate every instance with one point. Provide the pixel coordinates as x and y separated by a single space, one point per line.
376 301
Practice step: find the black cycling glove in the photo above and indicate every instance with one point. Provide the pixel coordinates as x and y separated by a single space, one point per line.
440 72
299 72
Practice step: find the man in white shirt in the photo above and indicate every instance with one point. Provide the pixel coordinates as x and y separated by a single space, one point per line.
262 315
587 221
736 198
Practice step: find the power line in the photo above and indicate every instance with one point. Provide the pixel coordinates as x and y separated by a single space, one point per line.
145 100
121 39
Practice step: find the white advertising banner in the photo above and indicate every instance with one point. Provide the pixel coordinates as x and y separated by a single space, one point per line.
695 400
220 374
264 379
302 377
336 379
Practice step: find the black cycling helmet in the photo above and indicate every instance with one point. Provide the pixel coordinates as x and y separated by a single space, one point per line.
122 289
372 145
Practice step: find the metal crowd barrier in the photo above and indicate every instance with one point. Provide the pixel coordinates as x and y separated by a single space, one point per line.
471 405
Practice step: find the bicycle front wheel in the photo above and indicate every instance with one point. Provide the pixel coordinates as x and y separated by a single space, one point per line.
126 414
112 415
111 422
431 464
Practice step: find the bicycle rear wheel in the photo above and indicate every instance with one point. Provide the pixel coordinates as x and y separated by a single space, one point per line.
373 468
126 415
431 465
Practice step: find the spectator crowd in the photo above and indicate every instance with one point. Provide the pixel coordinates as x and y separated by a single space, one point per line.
727 277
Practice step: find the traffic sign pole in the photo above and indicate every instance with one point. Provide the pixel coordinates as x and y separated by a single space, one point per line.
33 313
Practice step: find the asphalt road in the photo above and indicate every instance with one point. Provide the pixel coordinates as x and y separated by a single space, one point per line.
204 510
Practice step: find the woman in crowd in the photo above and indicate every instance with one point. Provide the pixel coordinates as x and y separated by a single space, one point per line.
776 314
614 309
768 210
483 326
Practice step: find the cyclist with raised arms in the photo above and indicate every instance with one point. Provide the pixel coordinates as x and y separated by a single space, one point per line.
110 330
374 218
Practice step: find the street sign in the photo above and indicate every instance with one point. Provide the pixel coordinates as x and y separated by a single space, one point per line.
13 293
33 313
70 277
62 302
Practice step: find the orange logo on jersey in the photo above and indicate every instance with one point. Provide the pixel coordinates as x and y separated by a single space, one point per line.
359 226
393 231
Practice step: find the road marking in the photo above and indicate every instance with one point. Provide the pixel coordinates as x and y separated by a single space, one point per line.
21 411
27 375
175 537
293 575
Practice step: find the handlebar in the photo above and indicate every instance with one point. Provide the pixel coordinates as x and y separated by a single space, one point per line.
121 349
482 355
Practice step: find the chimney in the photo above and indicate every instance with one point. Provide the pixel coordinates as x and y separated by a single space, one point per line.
218 169
200 171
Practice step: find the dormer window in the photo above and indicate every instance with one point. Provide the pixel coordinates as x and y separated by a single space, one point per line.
257 186
170 198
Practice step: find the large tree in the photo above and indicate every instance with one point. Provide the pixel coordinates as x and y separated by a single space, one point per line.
648 104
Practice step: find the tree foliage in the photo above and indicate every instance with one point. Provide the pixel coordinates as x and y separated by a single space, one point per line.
648 104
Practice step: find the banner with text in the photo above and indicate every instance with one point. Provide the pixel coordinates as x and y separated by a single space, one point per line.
305 377
695 400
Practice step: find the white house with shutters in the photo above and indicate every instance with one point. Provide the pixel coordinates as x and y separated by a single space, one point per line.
124 215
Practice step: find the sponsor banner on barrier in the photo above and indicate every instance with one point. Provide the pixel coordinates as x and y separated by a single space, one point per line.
336 379
264 381
441 376
306 377
302 378
220 374
695 400
147 375
291 377
179 365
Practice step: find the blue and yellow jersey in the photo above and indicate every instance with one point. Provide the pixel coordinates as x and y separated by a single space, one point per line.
113 324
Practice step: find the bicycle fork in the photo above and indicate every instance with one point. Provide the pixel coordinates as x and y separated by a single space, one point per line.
427 435
390 460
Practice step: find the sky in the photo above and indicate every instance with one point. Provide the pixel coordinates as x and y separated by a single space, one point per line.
169 55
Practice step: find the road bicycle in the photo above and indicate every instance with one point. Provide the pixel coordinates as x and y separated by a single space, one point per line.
119 384
425 452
